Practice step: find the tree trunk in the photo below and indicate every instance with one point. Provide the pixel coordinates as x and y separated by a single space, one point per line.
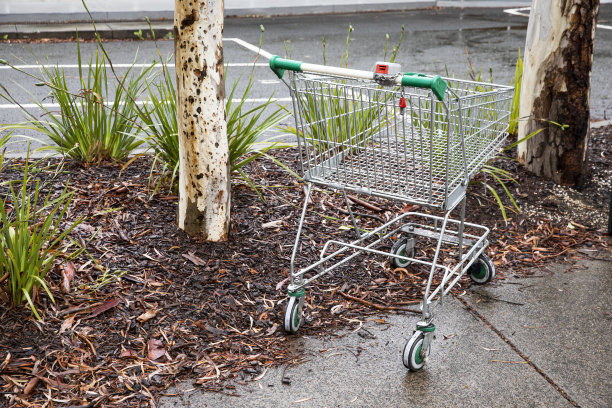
555 88
204 172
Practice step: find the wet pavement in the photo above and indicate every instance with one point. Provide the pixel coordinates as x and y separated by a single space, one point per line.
62 11
437 41
559 319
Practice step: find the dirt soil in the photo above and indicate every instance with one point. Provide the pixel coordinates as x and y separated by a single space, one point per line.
149 305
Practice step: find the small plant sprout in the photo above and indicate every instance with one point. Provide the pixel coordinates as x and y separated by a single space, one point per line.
514 110
344 59
324 56
386 46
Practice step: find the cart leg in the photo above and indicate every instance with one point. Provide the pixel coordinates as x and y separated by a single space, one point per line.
293 280
427 315
350 210
294 309
460 235
417 348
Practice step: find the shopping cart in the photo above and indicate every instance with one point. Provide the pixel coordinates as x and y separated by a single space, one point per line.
401 136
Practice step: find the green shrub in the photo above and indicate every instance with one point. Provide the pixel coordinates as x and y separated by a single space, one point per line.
159 119
246 123
32 236
95 123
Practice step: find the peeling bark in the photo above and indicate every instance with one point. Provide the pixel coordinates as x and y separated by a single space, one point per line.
555 88
204 169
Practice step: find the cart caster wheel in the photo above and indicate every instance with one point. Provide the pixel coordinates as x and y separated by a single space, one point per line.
402 247
413 357
482 270
293 314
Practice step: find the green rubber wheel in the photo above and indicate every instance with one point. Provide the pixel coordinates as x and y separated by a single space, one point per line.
402 247
482 270
293 314
418 358
413 356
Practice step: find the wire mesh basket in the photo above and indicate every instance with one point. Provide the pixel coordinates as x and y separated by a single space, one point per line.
353 133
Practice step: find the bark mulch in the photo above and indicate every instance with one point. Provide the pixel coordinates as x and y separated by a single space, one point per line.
148 305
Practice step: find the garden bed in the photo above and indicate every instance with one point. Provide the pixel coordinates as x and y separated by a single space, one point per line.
149 305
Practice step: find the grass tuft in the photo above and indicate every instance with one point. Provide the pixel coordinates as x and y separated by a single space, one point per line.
32 237
94 123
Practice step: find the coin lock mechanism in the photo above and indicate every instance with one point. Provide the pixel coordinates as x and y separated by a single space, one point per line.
385 74
388 68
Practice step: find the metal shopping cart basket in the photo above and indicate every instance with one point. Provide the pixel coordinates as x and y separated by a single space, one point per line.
401 136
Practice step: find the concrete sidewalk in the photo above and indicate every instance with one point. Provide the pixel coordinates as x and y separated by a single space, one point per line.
542 341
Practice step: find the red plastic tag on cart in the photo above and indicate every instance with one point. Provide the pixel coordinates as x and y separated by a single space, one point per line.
402 103
382 69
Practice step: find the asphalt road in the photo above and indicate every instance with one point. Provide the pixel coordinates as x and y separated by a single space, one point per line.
435 42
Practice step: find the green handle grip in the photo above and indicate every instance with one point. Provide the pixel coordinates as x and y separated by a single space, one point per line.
436 84
279 65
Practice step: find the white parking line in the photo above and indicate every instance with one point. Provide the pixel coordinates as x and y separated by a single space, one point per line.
238 41
110 103
249 46
520 12
171 65
256 49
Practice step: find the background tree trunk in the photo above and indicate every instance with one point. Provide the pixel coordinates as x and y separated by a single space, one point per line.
555 87
204 182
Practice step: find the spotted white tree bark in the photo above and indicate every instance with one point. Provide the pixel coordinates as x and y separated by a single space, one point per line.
555 87
204 172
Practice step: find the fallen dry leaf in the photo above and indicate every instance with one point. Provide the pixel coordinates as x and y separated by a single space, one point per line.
6 361
409 208
128 353
272 330
67 324
68 272
156 349
194 258
280 284
148 315
85 228
109 304
34 380
301 400
272 224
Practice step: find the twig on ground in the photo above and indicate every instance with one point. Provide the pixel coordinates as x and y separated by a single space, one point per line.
377 306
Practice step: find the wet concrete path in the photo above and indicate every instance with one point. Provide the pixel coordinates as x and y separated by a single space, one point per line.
558 320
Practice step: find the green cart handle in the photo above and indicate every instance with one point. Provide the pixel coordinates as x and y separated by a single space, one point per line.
435 83
279 65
